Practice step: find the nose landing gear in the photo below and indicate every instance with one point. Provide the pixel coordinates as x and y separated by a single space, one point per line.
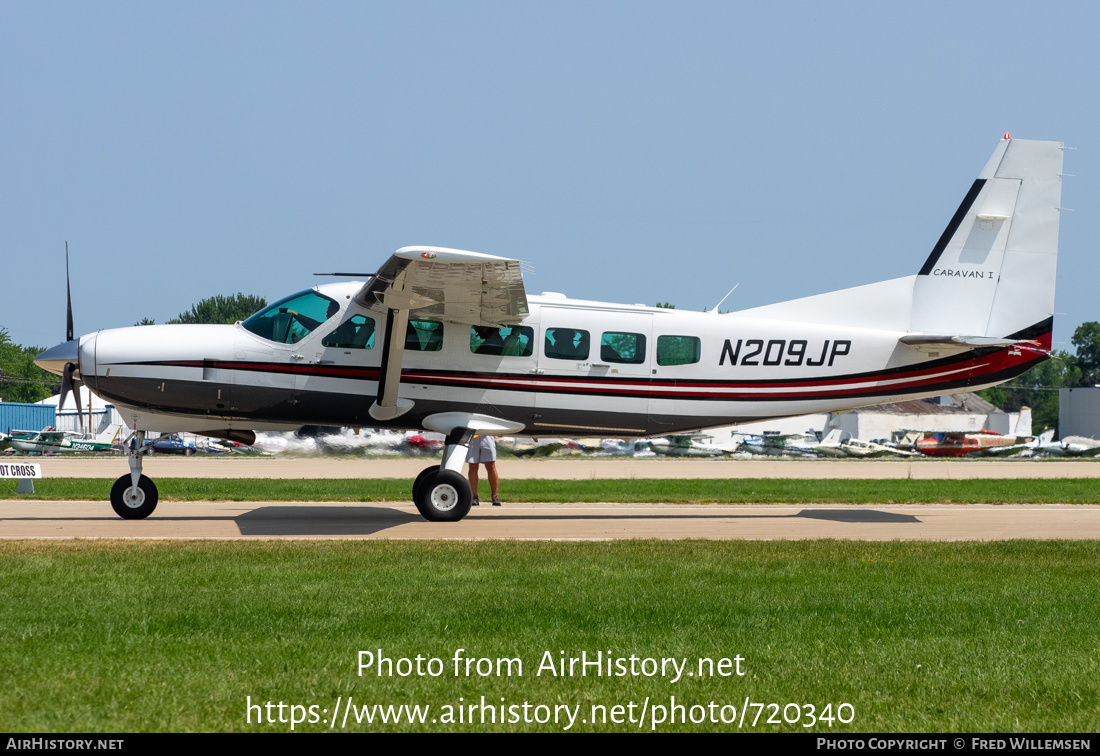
133 496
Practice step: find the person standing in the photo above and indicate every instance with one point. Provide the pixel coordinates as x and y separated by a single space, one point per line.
483 451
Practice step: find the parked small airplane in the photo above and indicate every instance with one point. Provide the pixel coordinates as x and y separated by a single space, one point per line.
839 443
689 445
951 444
829 446
1029 447
853 447
448 341
781 445
1070 446
50 441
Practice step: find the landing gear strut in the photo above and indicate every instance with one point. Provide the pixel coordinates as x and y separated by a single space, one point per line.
133 496
442 494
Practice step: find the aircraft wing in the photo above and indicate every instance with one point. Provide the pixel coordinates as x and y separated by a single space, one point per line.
451 285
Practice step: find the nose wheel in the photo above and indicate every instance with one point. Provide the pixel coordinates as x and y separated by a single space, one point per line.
133 496
133 502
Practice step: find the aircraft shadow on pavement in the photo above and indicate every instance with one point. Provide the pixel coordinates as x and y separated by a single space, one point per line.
320 520
856 515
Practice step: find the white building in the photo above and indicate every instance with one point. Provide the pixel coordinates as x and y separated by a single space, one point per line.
957 412
1079 412
103 415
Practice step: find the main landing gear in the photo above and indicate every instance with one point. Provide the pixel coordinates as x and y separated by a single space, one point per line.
133 496
441 493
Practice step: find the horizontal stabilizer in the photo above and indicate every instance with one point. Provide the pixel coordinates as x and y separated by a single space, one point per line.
926 341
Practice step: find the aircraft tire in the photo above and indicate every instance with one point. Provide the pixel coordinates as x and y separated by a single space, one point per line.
443 496
140 506
420 479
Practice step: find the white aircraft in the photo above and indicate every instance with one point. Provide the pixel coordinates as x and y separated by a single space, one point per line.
448 341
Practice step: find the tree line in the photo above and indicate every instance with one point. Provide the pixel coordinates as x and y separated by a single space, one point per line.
1038 387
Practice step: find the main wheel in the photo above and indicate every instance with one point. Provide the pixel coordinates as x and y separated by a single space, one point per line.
132 503
443 496
420 478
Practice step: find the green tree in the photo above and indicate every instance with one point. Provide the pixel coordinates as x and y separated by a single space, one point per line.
20 379
221 309
1038 389
1086 340
666 305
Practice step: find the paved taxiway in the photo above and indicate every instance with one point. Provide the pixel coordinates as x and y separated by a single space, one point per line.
70 519
271 520
567 468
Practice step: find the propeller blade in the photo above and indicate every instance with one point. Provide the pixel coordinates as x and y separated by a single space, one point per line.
68 300
79 409
66 384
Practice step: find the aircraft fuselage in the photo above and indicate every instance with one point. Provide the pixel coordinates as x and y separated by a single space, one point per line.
630 370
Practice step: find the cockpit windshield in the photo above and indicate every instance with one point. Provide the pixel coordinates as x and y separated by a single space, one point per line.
290 320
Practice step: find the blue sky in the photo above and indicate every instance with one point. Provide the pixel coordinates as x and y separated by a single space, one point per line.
629 151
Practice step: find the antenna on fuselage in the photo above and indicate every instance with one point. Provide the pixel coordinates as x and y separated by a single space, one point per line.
352 275
715 310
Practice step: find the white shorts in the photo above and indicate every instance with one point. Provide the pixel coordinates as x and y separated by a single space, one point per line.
482 449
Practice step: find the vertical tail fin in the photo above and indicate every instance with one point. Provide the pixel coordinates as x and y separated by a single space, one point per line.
992 271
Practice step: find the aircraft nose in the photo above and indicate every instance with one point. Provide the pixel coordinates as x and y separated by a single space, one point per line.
54 359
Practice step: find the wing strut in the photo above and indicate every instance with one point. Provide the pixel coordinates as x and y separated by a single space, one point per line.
388 405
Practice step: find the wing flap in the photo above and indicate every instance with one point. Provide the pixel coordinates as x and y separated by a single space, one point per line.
451 285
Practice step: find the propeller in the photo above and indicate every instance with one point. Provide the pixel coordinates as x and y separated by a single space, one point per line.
68 383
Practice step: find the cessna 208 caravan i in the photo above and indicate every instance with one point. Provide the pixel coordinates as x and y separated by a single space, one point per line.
448 340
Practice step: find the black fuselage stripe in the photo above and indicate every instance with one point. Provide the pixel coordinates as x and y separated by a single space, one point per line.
912 372
972 377
952 227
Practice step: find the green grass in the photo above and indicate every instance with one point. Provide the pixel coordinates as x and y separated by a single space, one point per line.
942 637
733 491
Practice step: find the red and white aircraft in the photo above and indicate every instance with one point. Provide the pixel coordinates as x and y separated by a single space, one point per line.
449 341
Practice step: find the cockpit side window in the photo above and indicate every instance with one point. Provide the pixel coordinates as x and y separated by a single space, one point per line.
357 332
290 320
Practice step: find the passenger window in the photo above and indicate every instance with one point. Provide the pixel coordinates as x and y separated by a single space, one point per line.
628 348
424 336
678 350
357 332
566 344
510 341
